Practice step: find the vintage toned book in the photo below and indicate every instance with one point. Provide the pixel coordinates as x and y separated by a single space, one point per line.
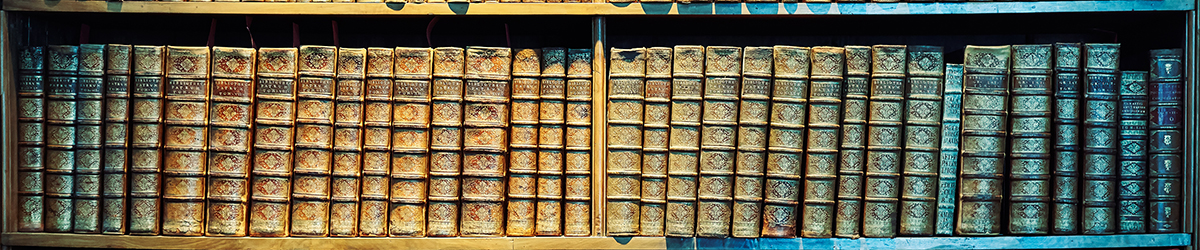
1099 211
62 90
952 88
486 94
1029 140
185 121
1065 214
824 130
145 140
348 115
753 118
718 143
89 139
1165 171
229 149
314 141
655 140
923 123
523 154
885 136
577 159
31 118
377 134
551 116
789 98
275 114
411 102
115 167
625 102
1133 157
684 143
854 142
446 143
985 87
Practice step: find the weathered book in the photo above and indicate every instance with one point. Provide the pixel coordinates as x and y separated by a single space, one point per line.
275 112
1099 211
577 160
952 88
655 141
486 95
718 143
1065 214
62 90
684 143
145 133
923 123
985 87
377 134
1133 157
1029 140
31 118
789 97
311 181
1165 170
229 149
116 139
753 118
185 121
885 136
551 116
523 157
89 139
411 100
625 103
854 142
824 130
348 115
446 142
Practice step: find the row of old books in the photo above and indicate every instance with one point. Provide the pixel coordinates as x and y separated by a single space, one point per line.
310 141
887 140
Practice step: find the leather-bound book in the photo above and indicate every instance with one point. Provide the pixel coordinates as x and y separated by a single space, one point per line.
89 139
31 141
1165 171
625 100
314 141
274 125
718 143
952 88
446 143
145 140
923 124
185 121
411 103
523 154
347 142
577 159
229 149
551 116
62 90
487 86
985 87
1131 196
753 118
683 158
854 142
1029 140
377 134
1099 211
789 98
655 140
885 135
1064 218
824 132
115 166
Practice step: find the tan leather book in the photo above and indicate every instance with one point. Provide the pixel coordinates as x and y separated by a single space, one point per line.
275 112
655 141
885 132
115 166
922 140
1100 148
820 175
229 151
145 140
1029 137
625 100
522 209
89 139
446 157
377 134
985 87
551 142
687 69
314 141
31 141
1067 98
347 142
185 135
753 118
577 159
61 109
789 96
487 85
723 68
411 101
854 142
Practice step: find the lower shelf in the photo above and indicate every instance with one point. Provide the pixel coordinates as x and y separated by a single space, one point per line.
1000 242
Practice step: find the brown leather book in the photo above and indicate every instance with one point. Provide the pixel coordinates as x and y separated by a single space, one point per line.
31 139
89 139
446 143
314 141
1165 169
684 143
145 140
185 135
718 141
655 141
1065 215
377 134
789 97
62 89
884 141
229 151
487 82
551 141
848 222
577 159
983 156
626 94
275 112
754 115
1029 140
115 166
347 142
411 102
1102 66
922 133
817 208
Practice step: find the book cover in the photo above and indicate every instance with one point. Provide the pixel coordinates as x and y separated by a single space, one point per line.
923 123
89 139
552 117
486 96
577 160
377 134
952 90
1029 140
753 118
31 118
854 142
446 144
821 154
684 142
229 151
275 114
62 90
885 135
656 140
1067 99
145 140
1099 169
411 103
314 141
1131 196
625 118
1165 169
348 116
115 166
789 97
185 129
718 141
985 87
523 166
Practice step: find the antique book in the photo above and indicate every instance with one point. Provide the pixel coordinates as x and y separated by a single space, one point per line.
31 118
753 118
985 87
411 102
923 123
377 134
1099 211
185 122
145 133
311 180
551 116
62 90
116 139
885 135
523 154
229 149
1029 140
275 112
789 98
486 96
1131 196
684 143
952 88
854 142
625 105
348 115
89 139
577 160
1165 170
1064 216
824 130
446 143
655 140
718 143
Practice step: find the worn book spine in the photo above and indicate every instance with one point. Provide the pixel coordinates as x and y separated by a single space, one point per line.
824 130
885 135
523 144
789 98
625 103
115 165
1099 211
952 88
274 127
923 123
62 90
1029 140
718 141
446 142
1133 156
577 159
229 149
185 135
552 118
985 87
411 102
31 118
754 116
314 132
848 220
89 139
145 140
655 140
683 161
348 115
487 84
377 134
1067 99
1165 171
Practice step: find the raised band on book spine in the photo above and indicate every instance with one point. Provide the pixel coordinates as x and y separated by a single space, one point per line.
684 145
275 114
985 86
31 141
948 164
884 140
625 105
923 124
1067 99
1029 140
89 139
62 89
229 151
1165 170
655 140
1131 196
854 142
1099 215
753 118
145 139
377 134
185 121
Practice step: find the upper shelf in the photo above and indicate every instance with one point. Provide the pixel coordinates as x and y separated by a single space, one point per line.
598 8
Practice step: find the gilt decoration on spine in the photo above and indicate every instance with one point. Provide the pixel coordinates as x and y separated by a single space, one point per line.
446 143
411 103
89 139
985 89
655 137
1099 169
487 86
274 129
577 160
551 142
115 168
1165 170
854 142
1067 99
347 142
145 140
522 207
31 121
229 156
789 100
885 135
1029 140
823 141
1131 184
377 135
315 86
923 123
185 120
687 71
62 90
626 94
718 141
753 118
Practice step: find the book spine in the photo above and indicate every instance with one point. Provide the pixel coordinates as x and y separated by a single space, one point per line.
89 145
311 181
626 95
985 87
789 99
145 140
577 159
348 115
1133 157
952 92
62 91
229 149
185 139
823 142
446 142
655 137
1100 141
718 142
923 123
684 145
1029 140
523 157
377 134
1166 141
552 117
1065 215
411 103
753 118
274 127
115 165
848 221
31 118
885 135
487 87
